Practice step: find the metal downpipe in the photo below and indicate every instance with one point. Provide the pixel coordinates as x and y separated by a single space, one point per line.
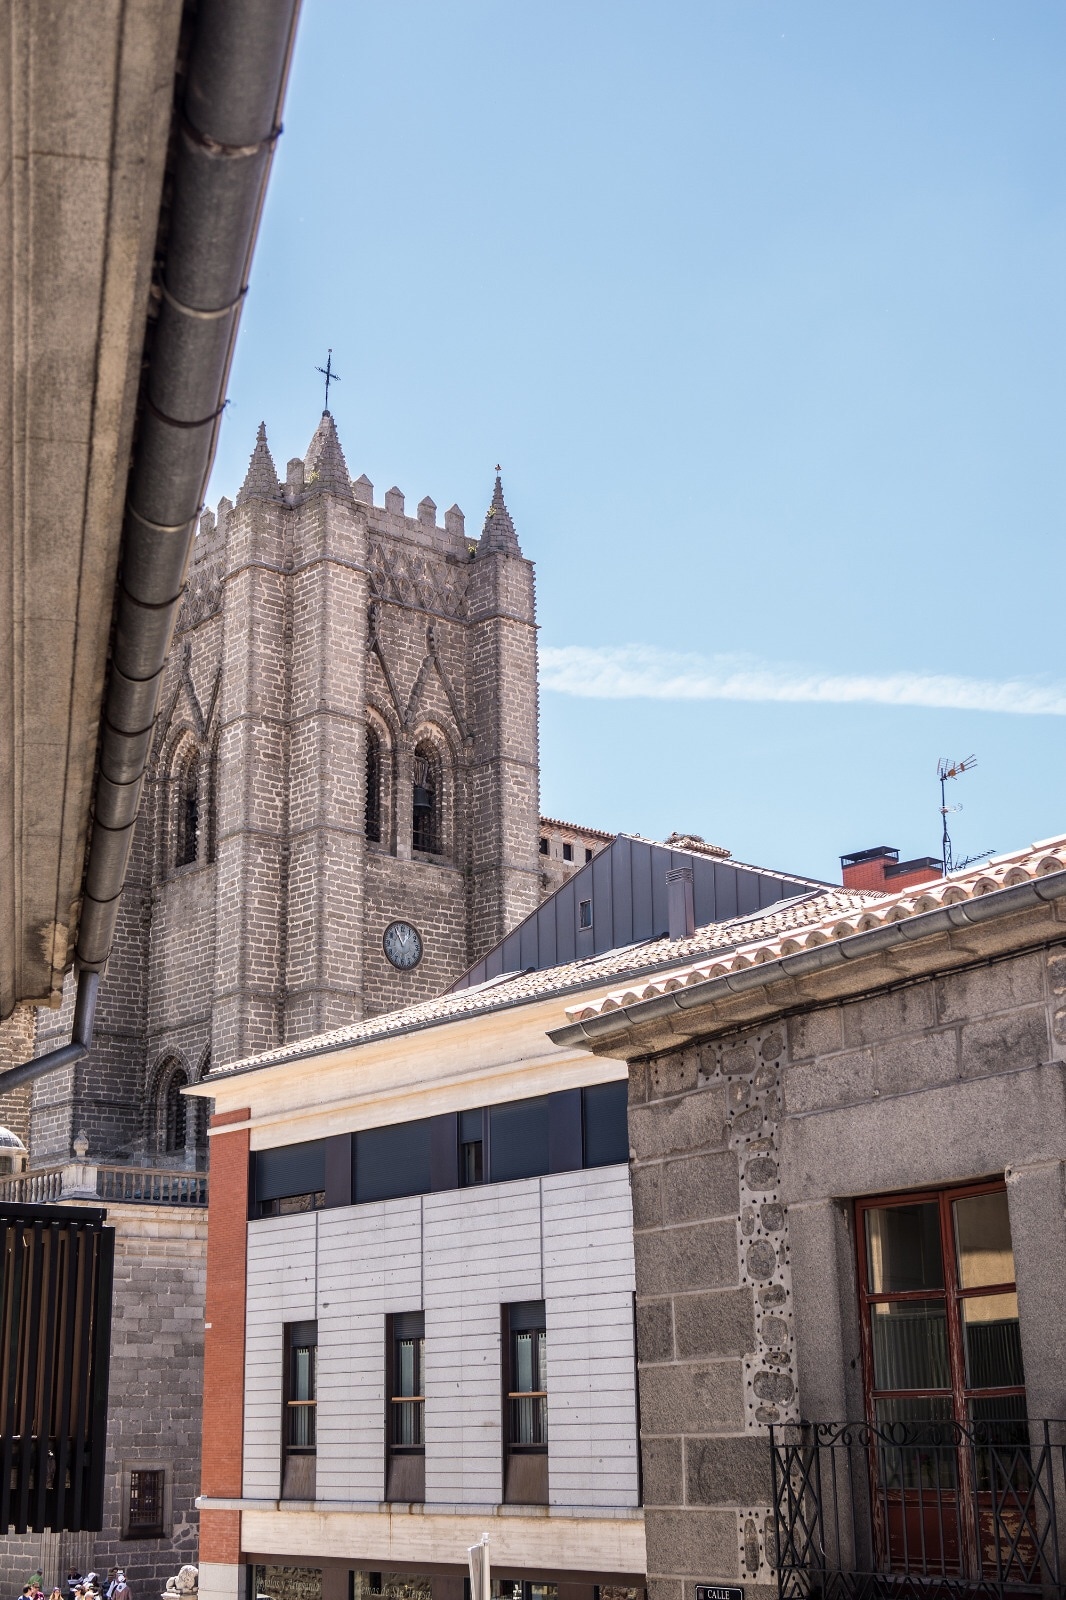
67 1054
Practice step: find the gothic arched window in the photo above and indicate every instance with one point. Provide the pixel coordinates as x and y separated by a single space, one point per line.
188 812
426 830
173 1108
373 786
211 830
198 1111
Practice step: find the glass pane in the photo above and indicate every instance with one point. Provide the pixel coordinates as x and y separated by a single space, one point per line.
524 1378
471 1168
302 1426
529 1420
993 1342
982 1240
1000 1417
405 1367
903 1248
910 1344
407 1422
917 1443
1002 1457
303 1373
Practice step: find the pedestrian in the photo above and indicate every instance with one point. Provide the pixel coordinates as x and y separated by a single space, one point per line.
122 1591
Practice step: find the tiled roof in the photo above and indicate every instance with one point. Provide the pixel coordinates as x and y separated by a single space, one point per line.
1002 872
576 827
514 989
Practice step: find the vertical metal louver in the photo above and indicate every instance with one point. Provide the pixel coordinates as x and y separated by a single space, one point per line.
56 1272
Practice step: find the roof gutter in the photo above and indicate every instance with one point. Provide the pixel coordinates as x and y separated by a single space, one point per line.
228 125
601 1031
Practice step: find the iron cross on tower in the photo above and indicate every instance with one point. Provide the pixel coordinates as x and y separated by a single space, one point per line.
329 375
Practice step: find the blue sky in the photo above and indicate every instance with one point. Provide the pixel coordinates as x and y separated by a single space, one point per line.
760 307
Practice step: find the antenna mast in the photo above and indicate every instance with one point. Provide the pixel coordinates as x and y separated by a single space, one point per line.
946 769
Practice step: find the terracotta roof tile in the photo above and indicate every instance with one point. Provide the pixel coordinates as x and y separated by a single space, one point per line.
839 922
513 989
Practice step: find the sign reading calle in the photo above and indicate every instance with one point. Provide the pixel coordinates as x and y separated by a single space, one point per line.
719 1591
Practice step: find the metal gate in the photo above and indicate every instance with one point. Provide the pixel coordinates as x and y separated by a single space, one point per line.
56 1270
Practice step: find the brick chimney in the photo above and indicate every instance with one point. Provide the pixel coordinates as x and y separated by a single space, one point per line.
881 868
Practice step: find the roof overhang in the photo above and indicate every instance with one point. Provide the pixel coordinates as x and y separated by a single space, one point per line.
483 1059
999 923
89 91
133 161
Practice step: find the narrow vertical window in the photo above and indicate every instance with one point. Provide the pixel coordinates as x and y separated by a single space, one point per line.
406 1401
525 1404
212 801
144 1516
175 1111
373 786
471 1148
945 1385
188 813
301 1411
426 802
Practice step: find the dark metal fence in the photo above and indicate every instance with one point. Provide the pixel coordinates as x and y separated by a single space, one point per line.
56 1271
936 1510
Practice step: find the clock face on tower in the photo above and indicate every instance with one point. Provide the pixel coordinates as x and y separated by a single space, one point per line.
403 945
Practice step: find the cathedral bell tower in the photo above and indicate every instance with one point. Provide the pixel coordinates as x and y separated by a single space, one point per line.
342 806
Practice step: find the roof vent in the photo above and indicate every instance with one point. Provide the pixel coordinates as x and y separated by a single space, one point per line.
679 903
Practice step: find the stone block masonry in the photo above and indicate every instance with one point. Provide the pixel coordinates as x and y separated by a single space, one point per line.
155 1405
317 629
743 1144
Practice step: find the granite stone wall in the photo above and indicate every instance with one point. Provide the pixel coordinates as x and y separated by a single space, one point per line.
310 612
747 1149
155 1404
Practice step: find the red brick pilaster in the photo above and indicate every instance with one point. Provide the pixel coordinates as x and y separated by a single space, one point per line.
227 1255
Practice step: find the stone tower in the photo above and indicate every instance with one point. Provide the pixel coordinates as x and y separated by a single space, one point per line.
347 738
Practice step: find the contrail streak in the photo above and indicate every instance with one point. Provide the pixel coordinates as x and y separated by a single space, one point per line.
643 672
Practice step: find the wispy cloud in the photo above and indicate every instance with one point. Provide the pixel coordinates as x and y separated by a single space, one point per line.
642 672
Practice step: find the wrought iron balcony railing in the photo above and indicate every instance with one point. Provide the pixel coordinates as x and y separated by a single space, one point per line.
919 1510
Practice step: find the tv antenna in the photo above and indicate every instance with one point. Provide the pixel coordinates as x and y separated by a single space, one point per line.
946 769
968 861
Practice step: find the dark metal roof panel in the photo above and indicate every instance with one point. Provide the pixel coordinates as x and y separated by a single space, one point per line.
626 883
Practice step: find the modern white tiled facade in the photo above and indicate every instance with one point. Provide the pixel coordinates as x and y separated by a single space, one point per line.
459 1256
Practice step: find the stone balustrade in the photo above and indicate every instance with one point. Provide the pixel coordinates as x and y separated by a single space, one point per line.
89 1180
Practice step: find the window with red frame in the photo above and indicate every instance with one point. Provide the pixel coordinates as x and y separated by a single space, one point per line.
940 1308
